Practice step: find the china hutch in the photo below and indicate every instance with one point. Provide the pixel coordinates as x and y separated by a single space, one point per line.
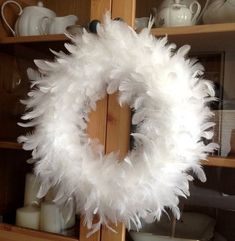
212 44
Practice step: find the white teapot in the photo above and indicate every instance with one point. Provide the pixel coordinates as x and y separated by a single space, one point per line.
178 14
57 25
29 20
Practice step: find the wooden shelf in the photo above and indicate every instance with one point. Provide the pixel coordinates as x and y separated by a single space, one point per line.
33 39
220 161
195 30
208 37
13 233
10 145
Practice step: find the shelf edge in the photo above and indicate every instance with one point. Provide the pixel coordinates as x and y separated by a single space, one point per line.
33 39
196 29
217 161
8 230
10 145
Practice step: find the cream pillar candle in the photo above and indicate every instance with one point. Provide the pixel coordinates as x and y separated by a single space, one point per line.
50 218
32 186
65 212
28 217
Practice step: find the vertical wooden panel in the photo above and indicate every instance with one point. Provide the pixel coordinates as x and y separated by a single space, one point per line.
124 9
118 125
98 119
118 135
84 231
99 7
97 123
108 235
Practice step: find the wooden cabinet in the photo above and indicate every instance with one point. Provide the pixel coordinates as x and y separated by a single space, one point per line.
213 44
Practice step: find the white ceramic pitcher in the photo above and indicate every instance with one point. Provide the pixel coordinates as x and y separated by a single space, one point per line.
28 22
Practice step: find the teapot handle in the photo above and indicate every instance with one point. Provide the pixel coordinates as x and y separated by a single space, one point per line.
196 13
3 16
43 25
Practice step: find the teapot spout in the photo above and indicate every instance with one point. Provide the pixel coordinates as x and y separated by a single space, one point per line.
58 25
72 19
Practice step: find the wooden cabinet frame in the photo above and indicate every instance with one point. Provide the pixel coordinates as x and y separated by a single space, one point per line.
113 120
110 119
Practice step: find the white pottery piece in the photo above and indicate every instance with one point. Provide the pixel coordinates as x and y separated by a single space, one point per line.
178 14
28 22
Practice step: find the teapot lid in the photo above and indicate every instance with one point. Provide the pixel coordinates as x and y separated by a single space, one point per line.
40 4
178 4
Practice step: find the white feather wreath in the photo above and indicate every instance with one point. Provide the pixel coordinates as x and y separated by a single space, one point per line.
169 97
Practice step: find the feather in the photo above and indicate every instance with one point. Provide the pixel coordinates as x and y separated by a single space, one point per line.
199 173
183 51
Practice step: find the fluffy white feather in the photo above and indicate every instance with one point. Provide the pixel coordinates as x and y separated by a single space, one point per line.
169 97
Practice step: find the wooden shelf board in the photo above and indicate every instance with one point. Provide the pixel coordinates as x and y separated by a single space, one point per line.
10 145
33 39
220 161
14 233
196 29
208 37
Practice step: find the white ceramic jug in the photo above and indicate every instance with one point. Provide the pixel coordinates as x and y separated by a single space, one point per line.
58 25
178 14
28 22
